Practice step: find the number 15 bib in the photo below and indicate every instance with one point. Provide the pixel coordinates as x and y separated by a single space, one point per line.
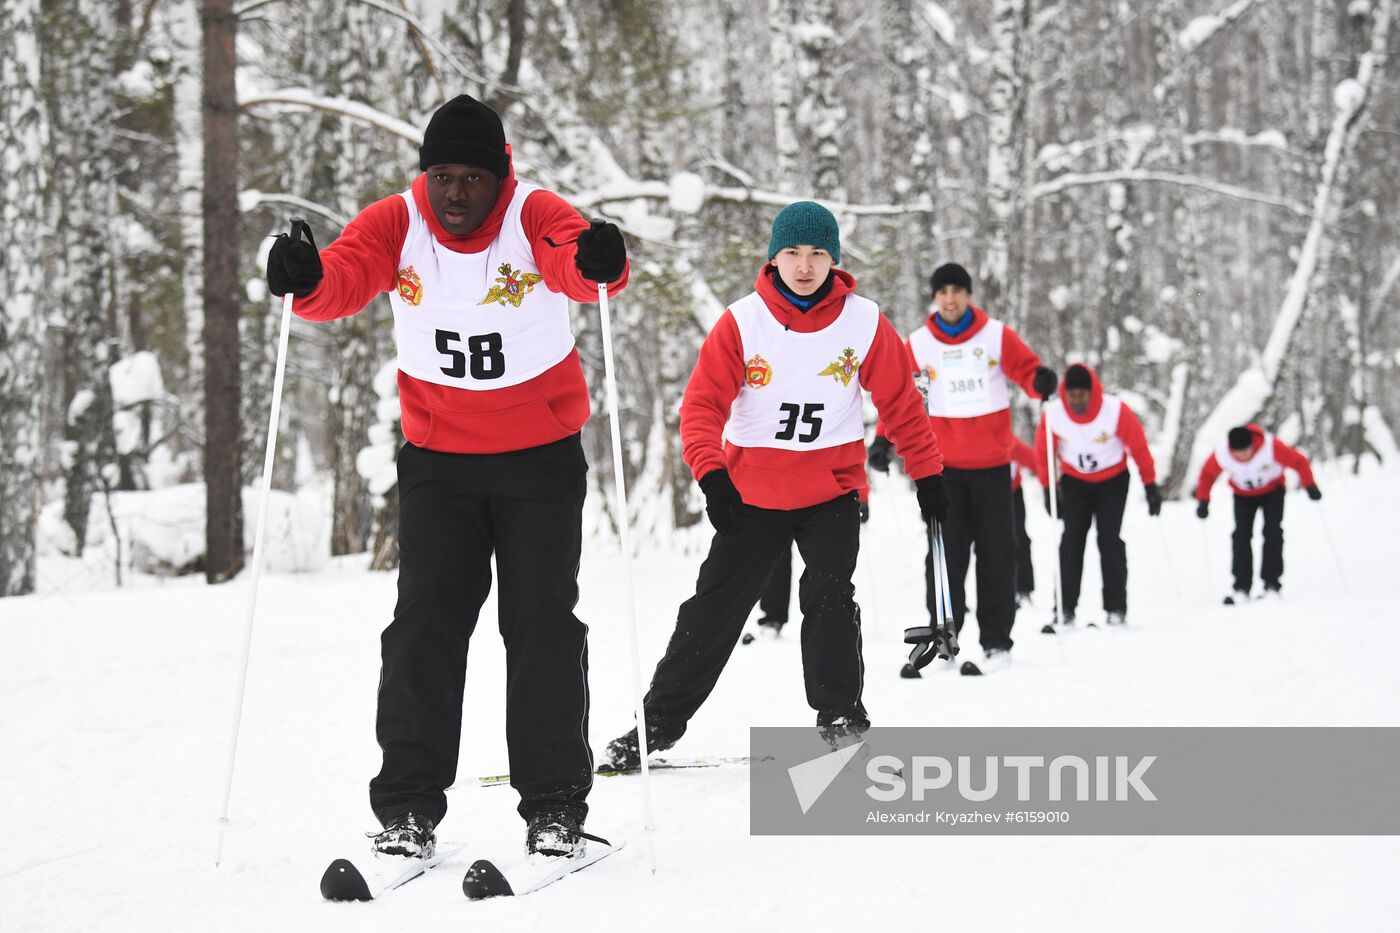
476 321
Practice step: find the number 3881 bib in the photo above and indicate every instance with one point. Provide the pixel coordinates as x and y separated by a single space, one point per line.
965 379
476 320
801 391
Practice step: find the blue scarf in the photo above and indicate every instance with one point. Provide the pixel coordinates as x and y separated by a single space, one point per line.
953 330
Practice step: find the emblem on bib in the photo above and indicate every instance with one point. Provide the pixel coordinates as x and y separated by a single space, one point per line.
932 373
1102 438
511 286
757 372
844 368
410 286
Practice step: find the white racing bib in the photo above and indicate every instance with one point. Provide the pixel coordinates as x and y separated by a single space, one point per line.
964 379
476 321
801 391
1092 446
1255 473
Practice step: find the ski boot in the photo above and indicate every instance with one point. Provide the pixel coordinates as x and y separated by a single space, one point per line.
407 835
624 753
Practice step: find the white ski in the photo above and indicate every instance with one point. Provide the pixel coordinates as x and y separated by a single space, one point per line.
487 879
376 876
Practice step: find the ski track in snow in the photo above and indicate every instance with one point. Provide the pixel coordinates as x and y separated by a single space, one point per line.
115 712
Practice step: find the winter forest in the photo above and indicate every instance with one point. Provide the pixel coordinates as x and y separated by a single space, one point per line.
1190 195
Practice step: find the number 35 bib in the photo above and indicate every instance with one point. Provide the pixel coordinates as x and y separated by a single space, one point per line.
476 320
801 391
965 379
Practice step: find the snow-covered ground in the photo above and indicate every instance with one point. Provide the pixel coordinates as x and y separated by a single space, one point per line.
115 710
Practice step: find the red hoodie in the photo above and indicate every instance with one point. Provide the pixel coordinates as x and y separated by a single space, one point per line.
985 440
363 262
773 478
1127 429
1284 455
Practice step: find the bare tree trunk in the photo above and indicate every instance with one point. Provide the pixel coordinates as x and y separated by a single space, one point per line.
1005 152
23 153
222 383
781 16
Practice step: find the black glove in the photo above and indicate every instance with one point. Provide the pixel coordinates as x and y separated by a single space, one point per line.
879 454
864 512
722 501
1202 508
293 264
1314 493
933 498
1154 499
1045 382
601 254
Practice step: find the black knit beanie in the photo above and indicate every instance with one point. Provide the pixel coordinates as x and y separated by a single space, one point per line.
464 131
950 274
1241 438
1077 377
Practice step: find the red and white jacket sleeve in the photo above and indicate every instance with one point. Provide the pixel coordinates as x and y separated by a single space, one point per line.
713 386
1135 439
1291 459
1019 361
1210 471
546 214
885 374
362 262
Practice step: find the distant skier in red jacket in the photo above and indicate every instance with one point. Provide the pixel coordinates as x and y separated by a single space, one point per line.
1094 434
772 429
1255 461
493 398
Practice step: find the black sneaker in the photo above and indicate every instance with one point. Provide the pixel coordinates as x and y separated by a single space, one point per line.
624 752
408 836
839 730
554 833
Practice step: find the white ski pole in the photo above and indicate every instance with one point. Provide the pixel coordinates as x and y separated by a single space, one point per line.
624 530
1054 510
299 227
1332 546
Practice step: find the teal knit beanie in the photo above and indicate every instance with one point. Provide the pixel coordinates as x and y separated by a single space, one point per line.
805 223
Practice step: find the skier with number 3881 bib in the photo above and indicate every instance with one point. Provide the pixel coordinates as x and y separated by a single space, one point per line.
771 428
1095 433
480 269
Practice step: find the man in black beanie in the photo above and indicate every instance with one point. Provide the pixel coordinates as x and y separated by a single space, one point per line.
480 270
970 360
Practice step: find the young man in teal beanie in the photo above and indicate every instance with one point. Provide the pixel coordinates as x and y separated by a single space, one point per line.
771 428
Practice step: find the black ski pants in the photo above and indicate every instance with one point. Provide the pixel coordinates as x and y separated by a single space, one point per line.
777 595
731 579
1100 504
980 519
455 511
1271 564
1025 570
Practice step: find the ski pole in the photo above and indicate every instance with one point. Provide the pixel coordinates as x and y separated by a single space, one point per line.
1054 509
1167 557
624 531
299 229
1332 546
944 603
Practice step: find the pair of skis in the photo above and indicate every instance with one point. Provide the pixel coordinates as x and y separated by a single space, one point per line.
344 881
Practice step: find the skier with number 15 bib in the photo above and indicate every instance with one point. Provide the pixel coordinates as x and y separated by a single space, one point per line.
480 269
1095 433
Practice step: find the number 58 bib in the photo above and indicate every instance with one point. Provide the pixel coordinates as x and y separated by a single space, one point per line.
476 320
801 391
